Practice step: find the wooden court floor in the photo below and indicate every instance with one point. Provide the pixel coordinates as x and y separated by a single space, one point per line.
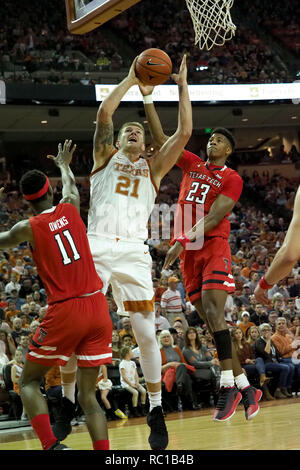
276 427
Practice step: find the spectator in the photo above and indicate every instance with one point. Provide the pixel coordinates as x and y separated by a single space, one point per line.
295 287
175 369
26 288
14 297
116 344
171 302
266 349
24 345
10 346
161 323
285 345
16 371
17 330
162 287
11 312
245 323
127 330
260 316
53 385
252 366
13 284
295 329
130 380
127 341
197 355
279 289
253 334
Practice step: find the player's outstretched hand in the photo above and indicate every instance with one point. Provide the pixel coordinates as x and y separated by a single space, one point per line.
145 89
181 77
64 154
261 295
132 75
1 193
172 255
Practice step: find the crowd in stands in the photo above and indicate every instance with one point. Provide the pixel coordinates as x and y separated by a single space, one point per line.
44 46
280 19
243 59
190 369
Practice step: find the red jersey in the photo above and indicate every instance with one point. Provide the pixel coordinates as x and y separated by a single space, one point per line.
201 184
62 254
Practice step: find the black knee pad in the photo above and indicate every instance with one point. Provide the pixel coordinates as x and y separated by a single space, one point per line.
223 344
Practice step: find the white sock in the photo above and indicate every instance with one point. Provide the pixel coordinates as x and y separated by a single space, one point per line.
241 381
227 379
68 390
154 399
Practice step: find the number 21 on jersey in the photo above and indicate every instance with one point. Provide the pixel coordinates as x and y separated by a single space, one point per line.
192 192
126 187
61 245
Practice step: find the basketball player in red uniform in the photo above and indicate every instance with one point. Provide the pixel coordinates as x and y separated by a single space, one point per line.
77 317
211 190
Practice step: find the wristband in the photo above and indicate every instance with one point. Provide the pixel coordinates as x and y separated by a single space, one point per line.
148 99
264 285
183 240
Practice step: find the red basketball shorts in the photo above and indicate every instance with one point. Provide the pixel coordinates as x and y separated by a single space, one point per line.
81 325
208 268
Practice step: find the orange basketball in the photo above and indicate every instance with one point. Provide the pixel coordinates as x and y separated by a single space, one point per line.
153 67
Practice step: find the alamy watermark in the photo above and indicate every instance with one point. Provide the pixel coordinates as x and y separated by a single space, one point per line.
133 221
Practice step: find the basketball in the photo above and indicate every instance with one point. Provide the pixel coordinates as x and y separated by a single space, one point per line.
153 67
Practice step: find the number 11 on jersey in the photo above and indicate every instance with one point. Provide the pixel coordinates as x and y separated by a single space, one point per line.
65 257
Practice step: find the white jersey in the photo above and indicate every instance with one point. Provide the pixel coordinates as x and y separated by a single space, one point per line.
122 196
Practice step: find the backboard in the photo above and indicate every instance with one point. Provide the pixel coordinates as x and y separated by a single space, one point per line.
85 15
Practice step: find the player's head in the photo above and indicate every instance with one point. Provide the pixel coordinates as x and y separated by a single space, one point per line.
131 136
36 187
220 144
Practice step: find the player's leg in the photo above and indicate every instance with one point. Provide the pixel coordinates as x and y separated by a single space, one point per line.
150 359
36 406
64 411
213 302
135 290
95 417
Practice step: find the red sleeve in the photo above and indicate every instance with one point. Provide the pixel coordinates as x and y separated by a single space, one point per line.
187 159
233 186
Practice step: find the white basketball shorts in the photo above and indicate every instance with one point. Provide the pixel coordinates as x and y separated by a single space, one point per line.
126 265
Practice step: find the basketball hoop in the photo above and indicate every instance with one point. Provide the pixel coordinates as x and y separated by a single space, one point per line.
212 22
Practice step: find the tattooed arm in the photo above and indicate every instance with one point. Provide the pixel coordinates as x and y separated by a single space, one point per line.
104 133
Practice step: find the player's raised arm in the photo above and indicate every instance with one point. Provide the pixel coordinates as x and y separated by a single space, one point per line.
62 160
170 151
104 132
157 134
285 258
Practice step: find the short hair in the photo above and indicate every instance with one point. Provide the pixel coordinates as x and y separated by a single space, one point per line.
227 134
32 182
264 325
279 319
126 124
162 333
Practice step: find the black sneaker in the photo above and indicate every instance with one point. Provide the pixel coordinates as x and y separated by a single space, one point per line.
63 415
58 446
158 438
228 400
251 397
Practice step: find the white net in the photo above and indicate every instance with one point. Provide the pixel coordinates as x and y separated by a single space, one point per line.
212 22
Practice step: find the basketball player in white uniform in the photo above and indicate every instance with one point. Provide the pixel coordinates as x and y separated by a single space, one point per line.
123 190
